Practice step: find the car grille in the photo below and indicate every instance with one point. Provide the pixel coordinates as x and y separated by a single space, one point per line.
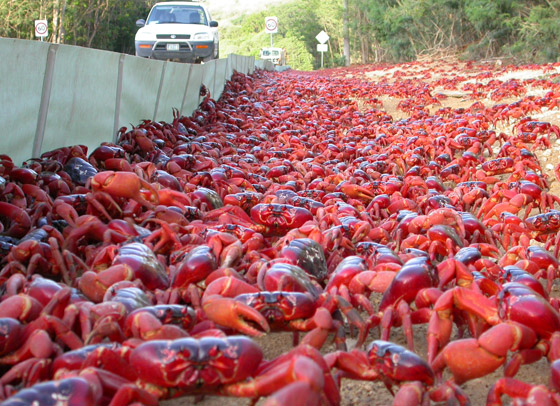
162 46
176 36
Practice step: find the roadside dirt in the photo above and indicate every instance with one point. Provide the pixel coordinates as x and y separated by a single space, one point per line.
375 393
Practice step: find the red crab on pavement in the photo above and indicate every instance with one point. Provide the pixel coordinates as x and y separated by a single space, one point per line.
394 366
298 311
289 300
32 256
525 393
355 282
231 366
546 225
536 132
279 218
133 261
146 323
417 274
522 321
89 387
127 185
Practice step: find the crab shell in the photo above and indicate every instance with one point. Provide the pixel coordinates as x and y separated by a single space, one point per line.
280 218
397 364
280 308
188 364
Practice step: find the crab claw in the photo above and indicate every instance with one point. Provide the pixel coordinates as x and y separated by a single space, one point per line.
355 191
94 284
125 184
20 222
294 393
221 308
228 312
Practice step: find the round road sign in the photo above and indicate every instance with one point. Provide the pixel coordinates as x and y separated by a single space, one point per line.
41 28
271 24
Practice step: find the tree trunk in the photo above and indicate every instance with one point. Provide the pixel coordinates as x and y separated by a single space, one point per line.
346 33
364 35
101 8
55 15
365 49
61 30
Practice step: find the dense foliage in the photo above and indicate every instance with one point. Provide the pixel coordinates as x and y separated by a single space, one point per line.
102 24
380 30
404 30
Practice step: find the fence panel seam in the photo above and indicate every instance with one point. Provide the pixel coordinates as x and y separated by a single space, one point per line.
163 69
45 101
118 96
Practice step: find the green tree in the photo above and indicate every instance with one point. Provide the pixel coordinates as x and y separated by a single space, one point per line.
17 18
103 24
495 22
539 35
296 52
298 24
380 30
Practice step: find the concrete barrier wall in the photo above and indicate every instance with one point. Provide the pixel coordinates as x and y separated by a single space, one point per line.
54 95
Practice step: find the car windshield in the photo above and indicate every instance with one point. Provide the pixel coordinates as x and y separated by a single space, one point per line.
168 14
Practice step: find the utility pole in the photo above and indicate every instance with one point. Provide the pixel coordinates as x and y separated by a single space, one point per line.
346 32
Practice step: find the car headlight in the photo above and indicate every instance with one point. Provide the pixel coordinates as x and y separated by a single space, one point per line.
201 36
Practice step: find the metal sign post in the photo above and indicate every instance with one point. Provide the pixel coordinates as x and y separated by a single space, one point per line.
322 48
271 26
322 37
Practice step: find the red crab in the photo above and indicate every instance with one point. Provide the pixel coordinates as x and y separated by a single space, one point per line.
394 366
231 366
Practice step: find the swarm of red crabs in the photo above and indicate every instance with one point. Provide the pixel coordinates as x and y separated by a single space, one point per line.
141 271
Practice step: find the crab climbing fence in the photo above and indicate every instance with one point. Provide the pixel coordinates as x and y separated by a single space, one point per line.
55 95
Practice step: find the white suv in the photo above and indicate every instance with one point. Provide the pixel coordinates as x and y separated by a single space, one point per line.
179 31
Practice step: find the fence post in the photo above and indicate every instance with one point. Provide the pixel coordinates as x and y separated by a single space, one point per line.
45 100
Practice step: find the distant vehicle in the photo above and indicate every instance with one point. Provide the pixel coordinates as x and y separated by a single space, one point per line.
179 31
276 55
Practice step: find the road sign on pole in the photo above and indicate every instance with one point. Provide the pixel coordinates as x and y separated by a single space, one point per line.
41 28
271 24
322 48
322 37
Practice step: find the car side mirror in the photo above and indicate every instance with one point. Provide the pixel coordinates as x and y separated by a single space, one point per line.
213 24
140 23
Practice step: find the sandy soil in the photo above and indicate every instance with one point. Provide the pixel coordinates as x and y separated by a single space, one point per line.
375 393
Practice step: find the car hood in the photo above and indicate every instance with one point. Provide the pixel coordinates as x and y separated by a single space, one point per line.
155 29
